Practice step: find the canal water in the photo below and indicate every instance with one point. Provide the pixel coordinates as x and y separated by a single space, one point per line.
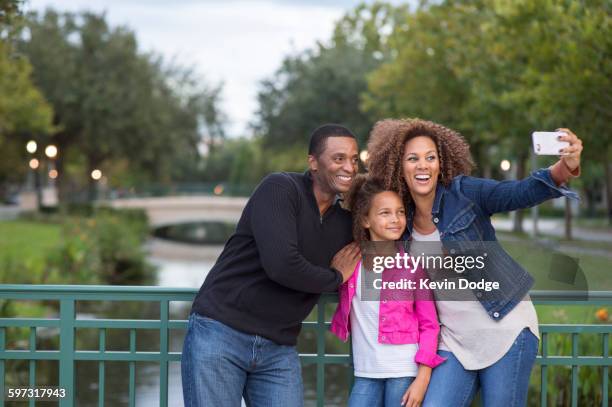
178 264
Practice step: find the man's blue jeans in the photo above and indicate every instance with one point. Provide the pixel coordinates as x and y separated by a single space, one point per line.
378 392
505 383
221 365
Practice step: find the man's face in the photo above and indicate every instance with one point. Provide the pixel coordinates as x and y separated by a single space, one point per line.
336 166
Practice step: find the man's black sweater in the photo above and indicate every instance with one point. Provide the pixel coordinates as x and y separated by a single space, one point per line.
274 267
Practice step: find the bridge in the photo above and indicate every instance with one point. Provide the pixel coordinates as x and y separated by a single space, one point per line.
169 210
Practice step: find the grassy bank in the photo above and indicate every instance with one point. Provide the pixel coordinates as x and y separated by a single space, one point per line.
99 247
28 242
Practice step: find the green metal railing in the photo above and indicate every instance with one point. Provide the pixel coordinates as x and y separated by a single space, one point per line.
67 324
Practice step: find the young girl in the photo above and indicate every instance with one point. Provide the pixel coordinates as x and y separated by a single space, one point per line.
394 342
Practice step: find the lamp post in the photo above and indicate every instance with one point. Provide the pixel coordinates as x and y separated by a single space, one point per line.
51 153
34 164
96 176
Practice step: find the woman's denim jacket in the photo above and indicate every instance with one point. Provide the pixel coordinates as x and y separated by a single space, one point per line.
462 212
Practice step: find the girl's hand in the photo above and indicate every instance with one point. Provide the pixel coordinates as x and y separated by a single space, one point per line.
416 392
571 155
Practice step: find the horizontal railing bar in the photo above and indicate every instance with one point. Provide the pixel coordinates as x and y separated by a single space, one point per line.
90 292
313 358
29 355
576 328
177 324
182 324
118 323
30 322
306 358
116 355
96 296
126 356
576 361
96 289
93 323
314 324
540 296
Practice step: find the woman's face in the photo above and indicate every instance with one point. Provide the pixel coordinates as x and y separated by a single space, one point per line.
421 166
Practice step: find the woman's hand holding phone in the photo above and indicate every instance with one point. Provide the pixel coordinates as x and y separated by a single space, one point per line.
570 155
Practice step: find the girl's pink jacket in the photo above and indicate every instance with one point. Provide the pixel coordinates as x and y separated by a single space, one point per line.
409 320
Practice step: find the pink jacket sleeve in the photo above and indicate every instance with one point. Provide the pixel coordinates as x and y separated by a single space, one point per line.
429 328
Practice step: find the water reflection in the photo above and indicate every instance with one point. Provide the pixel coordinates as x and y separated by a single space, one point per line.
215 233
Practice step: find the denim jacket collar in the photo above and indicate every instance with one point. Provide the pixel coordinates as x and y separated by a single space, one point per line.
435 210
440 190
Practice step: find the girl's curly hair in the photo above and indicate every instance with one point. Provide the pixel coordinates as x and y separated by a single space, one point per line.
386 150
359 201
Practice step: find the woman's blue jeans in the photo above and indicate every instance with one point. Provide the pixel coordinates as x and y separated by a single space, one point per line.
368 392
505 383
221 365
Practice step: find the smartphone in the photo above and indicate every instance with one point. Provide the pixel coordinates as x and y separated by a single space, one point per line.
546 142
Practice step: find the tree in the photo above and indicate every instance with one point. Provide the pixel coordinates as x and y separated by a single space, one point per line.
325 84
24 113
9 14
576 51
114 104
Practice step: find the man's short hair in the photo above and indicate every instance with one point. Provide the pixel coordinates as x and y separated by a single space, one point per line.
322 133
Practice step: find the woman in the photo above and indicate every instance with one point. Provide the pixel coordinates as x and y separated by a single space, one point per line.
490 342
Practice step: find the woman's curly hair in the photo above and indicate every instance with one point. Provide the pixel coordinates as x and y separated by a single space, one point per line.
386 150
359 201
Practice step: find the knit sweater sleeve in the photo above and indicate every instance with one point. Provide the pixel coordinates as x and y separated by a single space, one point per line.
273 218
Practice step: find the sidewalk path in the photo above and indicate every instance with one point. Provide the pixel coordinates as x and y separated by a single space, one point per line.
556 228
9 212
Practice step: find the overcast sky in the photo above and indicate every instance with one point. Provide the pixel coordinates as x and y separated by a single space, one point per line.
237 42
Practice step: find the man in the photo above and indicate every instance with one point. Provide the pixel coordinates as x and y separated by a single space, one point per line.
290 245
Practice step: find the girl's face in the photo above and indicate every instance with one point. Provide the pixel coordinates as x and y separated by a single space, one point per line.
421 166
386 219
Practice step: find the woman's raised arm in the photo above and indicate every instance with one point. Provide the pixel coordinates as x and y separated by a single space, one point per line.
502 196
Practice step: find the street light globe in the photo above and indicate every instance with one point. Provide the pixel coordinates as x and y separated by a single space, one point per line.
34 163
31 146
505 165
51 151
363 156
53 174
96 174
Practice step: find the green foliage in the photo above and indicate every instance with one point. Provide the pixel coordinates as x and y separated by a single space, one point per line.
10 16
104 247
238 161
22 107
23 111
498 70
114 243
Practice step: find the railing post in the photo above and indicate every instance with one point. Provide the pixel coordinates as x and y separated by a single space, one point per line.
163 352
321 352
2 348
544 372
604 385
66 362
574 370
